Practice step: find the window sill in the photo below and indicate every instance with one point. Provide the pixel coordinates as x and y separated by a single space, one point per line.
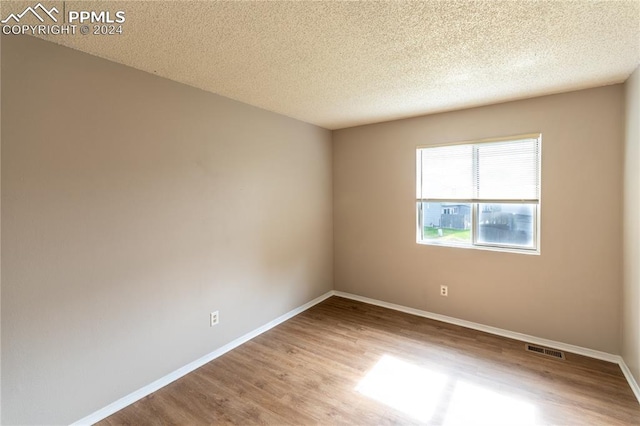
535 252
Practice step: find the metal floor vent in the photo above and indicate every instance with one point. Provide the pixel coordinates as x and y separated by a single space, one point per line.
544 351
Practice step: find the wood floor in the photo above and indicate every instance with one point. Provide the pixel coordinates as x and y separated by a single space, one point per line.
346 362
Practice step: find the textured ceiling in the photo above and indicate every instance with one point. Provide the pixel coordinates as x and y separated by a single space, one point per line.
340 64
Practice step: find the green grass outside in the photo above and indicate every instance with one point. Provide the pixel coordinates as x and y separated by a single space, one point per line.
447 234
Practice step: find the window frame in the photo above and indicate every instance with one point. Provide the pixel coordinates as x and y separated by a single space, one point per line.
475 203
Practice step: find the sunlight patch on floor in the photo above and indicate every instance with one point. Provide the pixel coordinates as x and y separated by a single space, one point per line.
478 405
418 392
406 387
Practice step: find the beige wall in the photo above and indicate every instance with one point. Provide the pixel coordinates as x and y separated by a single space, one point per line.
0 237
133 206
570 293
631 288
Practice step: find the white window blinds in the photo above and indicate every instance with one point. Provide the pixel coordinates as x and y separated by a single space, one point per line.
493 171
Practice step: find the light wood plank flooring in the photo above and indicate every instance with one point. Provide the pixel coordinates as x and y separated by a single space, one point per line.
346 362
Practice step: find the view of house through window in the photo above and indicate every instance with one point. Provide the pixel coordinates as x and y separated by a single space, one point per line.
480 194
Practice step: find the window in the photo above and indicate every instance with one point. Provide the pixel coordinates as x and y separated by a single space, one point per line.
481 194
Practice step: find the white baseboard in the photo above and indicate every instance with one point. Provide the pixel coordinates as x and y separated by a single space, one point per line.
487 329
171 377
632 381
616 359
152 387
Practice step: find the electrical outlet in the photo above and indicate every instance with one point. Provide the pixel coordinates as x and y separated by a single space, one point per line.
215 318
444 290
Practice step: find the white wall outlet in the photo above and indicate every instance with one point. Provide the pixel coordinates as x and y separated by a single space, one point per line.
444 290
215 318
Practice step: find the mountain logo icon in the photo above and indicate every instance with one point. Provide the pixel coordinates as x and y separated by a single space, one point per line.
34 11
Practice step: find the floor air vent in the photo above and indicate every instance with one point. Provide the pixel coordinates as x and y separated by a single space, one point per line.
544 351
